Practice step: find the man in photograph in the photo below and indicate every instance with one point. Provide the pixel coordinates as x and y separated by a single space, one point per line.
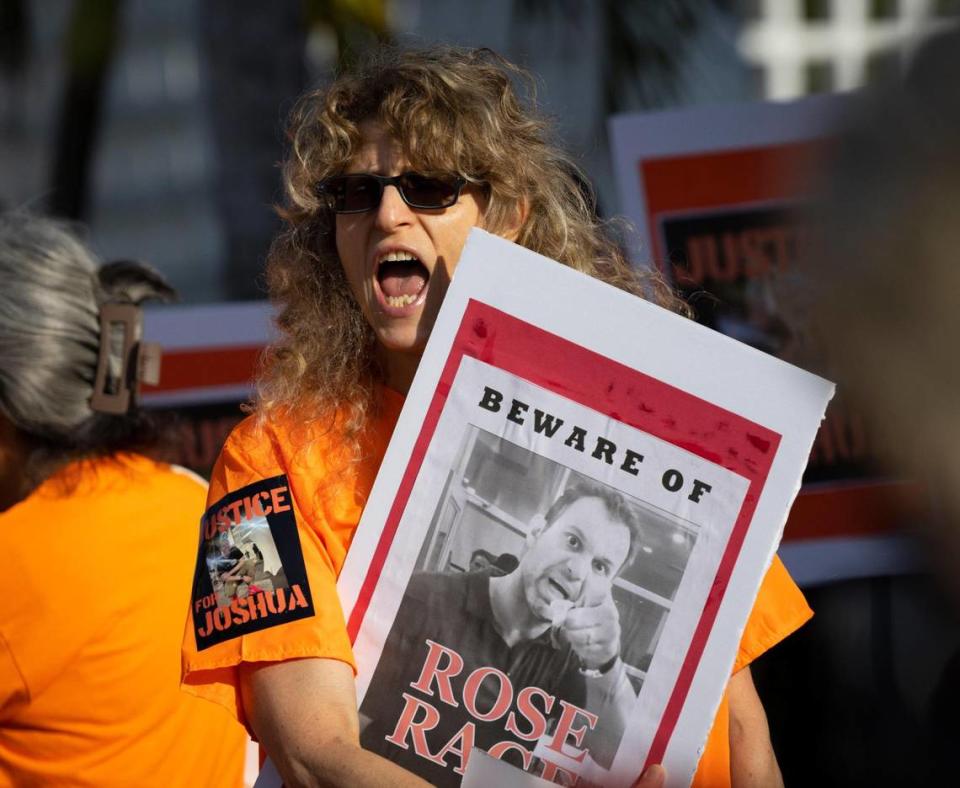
549 624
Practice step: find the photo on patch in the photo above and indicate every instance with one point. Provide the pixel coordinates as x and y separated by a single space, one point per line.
244 561
250 572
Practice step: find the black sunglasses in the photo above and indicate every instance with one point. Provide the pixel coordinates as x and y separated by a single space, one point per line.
363 191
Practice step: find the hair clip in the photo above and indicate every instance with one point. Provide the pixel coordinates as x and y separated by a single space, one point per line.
123 360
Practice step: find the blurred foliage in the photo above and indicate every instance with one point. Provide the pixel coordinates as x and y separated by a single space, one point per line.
946 7
356 24
14 36
91 36
647 42
91 40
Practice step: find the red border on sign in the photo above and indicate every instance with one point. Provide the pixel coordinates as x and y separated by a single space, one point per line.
624 394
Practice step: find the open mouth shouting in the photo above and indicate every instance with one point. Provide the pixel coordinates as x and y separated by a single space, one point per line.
401 282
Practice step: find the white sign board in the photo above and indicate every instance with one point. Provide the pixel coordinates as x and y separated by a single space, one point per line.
573 517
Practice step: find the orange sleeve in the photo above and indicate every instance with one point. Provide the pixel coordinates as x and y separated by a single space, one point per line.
779 610
211 670
13 689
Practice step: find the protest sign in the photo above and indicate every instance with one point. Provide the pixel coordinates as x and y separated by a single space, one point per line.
566 535
210 353
717 195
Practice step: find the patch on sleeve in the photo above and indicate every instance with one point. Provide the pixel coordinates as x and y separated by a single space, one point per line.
250 573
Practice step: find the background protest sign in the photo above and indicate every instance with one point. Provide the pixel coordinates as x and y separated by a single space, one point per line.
210 354
716 195
705 440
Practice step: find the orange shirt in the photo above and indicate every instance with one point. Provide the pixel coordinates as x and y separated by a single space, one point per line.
93 584
326 495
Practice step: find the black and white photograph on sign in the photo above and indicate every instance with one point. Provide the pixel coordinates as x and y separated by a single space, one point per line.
535 608
243 561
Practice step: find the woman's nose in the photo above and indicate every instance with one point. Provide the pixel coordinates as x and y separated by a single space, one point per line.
392 212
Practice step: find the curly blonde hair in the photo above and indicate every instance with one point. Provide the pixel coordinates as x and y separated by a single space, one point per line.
451 110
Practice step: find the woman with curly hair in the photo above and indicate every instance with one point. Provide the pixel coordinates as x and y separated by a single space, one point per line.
389 168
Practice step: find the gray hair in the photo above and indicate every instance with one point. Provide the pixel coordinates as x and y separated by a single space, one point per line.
49 328
51 289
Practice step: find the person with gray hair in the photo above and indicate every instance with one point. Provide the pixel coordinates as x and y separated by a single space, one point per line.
50 345
96 537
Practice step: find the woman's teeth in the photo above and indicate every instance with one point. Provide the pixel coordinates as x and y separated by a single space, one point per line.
395 256
402 300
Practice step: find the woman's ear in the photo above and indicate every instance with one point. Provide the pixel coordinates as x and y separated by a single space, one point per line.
511 224
514 224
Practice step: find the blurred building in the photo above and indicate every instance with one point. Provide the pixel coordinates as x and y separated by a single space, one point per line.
164 117
151 164
797 47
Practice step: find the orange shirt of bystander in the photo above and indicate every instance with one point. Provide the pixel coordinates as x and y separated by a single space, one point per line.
95 581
